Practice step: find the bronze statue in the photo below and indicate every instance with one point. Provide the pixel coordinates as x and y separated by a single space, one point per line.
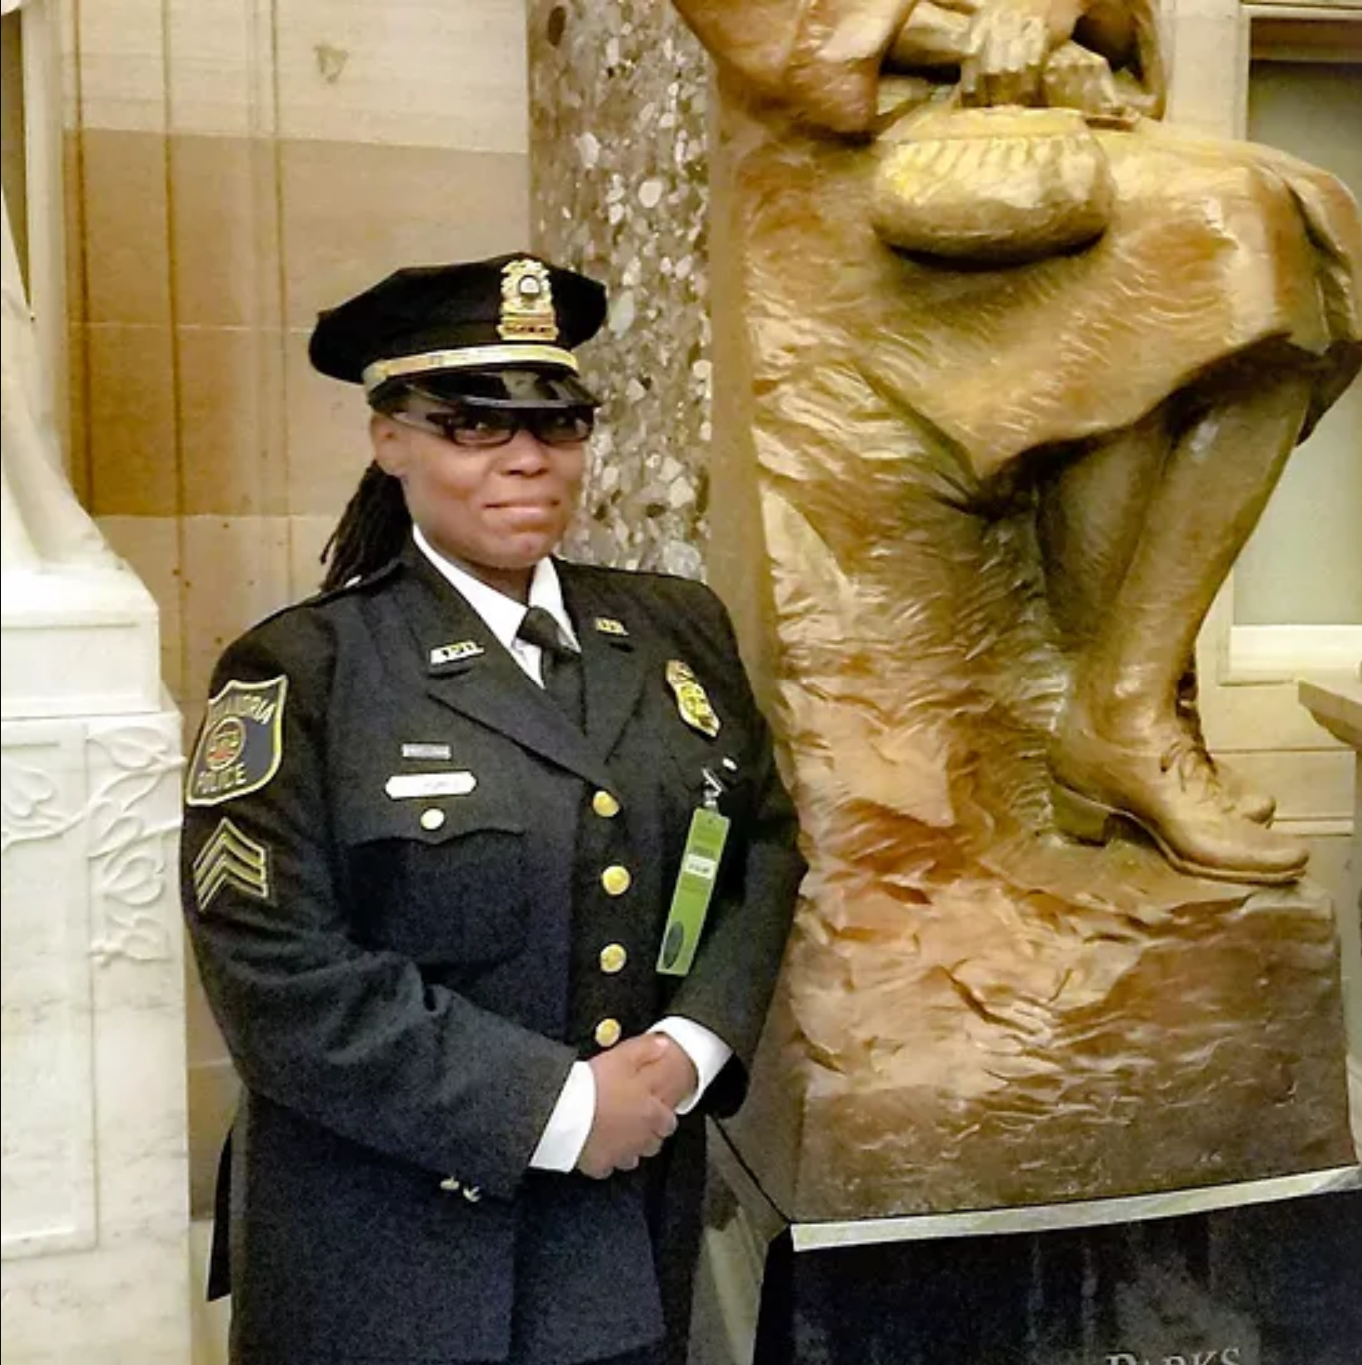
1006 370
1145 322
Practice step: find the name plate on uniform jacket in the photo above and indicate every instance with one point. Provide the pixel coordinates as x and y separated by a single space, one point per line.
430 784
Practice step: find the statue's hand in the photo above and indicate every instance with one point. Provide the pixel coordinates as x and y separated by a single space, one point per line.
1076 78
1007 47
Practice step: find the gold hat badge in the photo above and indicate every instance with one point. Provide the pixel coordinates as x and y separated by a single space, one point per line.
691 700
527 302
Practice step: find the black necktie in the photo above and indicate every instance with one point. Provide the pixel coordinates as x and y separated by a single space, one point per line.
560 664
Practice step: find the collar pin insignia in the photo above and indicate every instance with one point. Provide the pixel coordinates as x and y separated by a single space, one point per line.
460 649
607 625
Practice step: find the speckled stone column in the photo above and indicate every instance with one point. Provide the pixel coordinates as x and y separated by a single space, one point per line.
618 173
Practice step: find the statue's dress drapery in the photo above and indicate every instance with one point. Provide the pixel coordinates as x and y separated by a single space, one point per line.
1214 248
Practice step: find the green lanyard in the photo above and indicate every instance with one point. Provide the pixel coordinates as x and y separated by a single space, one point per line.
695 883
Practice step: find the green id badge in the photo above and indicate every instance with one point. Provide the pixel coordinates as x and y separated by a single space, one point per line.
694 889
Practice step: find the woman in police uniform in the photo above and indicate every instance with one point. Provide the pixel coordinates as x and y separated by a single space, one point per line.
436 827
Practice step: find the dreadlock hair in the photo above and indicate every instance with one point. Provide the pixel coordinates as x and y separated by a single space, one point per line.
372 530
375 524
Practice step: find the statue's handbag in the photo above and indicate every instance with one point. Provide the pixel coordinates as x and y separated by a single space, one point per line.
991 186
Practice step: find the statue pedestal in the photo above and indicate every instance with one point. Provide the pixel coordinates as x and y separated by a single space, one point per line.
79 641
95 1207
1251 1274
1031 1054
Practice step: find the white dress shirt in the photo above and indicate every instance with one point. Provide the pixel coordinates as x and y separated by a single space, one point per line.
569 1124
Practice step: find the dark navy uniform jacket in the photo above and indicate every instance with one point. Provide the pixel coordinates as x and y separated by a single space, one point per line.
402 864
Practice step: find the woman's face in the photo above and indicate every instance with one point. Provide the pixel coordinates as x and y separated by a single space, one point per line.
495 511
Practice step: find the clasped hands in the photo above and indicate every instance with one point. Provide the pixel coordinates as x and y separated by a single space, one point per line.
639 1084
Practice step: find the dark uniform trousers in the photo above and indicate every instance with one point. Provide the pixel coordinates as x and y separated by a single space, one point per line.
436 894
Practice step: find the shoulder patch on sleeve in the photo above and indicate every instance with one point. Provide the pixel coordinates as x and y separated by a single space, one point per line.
231 858
241 744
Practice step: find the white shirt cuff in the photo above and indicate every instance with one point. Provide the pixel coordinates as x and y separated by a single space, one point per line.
569 1125
704 1047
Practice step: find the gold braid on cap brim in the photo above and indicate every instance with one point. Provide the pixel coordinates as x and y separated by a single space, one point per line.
465 358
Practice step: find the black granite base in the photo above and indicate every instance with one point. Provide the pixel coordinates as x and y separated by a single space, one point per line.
1266 1273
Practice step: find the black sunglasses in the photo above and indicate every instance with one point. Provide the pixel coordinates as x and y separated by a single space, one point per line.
484 428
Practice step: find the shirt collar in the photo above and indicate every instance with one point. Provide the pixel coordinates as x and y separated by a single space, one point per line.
502 615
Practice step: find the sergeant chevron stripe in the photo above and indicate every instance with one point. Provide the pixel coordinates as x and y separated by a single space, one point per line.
231 858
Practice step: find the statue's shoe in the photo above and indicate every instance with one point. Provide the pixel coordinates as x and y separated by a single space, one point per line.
1252 804
1176 797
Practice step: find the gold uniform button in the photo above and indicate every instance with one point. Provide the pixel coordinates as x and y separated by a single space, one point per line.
432 818
608 1033
616 880
605 805
613 958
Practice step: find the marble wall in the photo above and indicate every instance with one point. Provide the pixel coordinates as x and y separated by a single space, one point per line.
619 188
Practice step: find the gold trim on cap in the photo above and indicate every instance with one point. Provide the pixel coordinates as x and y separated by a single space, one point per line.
465 358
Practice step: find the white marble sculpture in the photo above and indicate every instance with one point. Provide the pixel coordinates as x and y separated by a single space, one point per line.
64 589
41 523
95 1179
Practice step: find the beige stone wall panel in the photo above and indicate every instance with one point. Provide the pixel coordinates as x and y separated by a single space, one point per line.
235 571
229 395
352 212
73 212
411 73
326 434
131 412
77 418
116 65
125 221
225 262
219 78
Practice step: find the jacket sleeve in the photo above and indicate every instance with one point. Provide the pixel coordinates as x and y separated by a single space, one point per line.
350 1037
730 985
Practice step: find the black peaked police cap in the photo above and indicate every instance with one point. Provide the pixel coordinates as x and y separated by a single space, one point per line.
495 333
